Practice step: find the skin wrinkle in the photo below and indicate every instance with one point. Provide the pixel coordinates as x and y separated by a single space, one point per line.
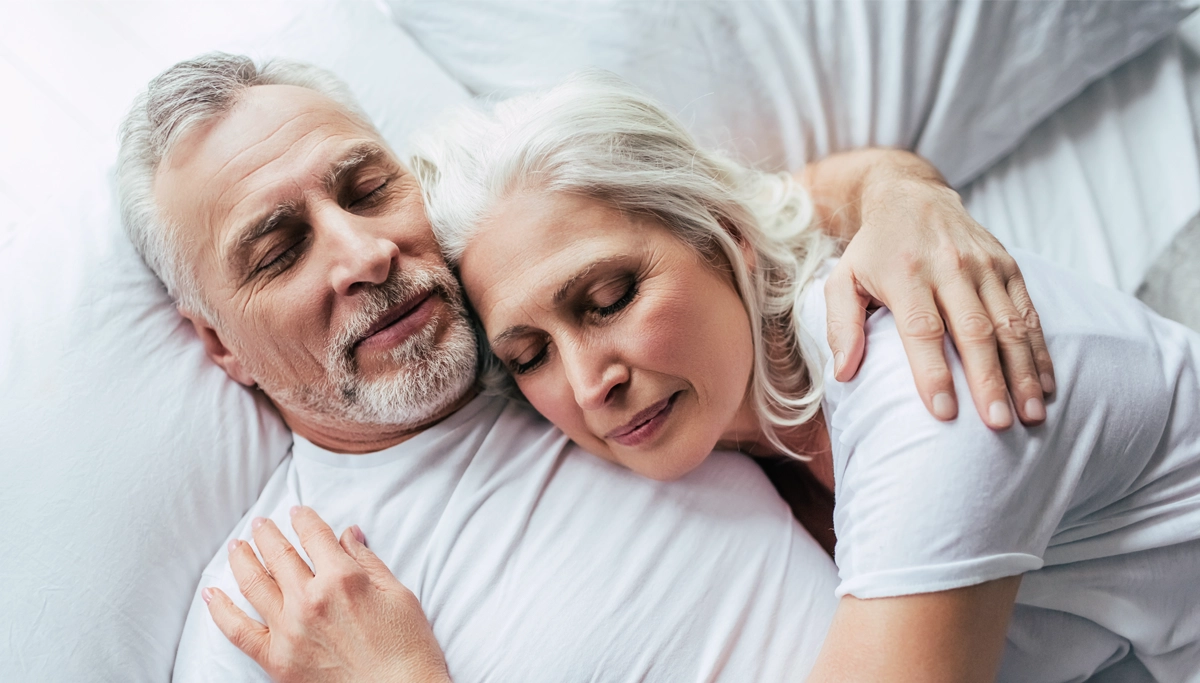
216 176
285 329
253 196
565 289
598 372
360 156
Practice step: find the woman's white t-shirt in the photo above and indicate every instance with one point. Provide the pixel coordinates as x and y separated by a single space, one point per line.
1098 508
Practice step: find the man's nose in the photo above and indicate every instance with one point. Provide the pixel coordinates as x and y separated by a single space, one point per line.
595 375
361 257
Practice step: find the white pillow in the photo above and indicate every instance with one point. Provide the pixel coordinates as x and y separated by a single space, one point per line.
784 82
125 455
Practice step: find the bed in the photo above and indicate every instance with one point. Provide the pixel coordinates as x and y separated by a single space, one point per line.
125 456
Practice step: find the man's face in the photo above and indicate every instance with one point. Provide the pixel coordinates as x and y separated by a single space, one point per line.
312 248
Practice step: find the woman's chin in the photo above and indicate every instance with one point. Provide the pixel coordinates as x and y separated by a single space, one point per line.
667 466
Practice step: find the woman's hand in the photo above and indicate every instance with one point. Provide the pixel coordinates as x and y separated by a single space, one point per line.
915 249
350 621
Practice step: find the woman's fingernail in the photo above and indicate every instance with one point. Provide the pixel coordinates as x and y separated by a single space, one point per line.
206 595
1035 409
256 522
294 510
358 534
839 360
999 414
233 545
943 406
1047 383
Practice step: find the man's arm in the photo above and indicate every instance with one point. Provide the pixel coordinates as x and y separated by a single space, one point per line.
913 247
954 636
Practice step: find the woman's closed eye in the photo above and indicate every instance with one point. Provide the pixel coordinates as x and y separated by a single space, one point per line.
528 361
612 297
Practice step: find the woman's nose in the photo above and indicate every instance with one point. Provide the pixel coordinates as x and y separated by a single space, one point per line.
360 257
594 380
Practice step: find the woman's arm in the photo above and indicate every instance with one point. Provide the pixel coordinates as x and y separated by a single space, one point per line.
914 248
954 636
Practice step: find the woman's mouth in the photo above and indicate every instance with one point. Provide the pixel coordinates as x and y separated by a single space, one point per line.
646 424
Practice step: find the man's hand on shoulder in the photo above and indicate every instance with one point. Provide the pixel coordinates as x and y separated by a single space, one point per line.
349 620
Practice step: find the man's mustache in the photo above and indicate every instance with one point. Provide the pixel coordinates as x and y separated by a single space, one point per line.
400 287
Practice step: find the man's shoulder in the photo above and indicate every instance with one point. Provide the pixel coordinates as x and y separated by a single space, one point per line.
518 428
204 654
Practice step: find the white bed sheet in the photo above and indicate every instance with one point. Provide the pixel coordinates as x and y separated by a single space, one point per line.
1106 182
1102 186
126 456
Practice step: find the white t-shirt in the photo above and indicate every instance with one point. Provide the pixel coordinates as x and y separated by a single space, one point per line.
536 561
1099 508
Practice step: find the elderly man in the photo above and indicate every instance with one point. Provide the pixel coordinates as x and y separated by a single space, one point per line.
296 244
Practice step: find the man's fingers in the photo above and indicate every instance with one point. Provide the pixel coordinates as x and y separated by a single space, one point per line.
247 634
921 331
846 312
280 558
355 545
974 335
1016 353
1041 354
318 540
254 581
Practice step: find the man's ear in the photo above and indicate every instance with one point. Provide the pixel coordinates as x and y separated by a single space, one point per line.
216 349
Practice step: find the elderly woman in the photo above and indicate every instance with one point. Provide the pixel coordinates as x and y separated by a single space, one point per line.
656 301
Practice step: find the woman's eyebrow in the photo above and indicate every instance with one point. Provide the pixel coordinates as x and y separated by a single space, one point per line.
564 290
511 333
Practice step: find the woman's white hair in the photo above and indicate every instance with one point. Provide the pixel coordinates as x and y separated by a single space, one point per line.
184 96
598 137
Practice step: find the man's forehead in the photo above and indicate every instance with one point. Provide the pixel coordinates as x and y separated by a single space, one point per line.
273 137
269 123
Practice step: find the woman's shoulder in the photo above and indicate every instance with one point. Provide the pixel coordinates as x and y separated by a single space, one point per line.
1098 338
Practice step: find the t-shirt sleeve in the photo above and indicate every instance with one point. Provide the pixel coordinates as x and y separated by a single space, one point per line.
923 505
204 653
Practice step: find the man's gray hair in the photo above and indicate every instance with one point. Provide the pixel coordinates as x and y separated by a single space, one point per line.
184 96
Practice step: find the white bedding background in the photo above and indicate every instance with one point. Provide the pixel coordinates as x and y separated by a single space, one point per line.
1106 182
1101 186
125 456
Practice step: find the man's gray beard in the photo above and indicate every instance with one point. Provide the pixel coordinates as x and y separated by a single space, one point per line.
428 377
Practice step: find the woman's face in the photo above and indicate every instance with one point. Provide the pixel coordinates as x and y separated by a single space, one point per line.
617 331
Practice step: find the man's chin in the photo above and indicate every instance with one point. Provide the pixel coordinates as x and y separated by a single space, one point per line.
421 378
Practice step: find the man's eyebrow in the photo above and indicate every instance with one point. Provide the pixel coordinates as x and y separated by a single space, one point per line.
564 290
362 154
358 156
265 225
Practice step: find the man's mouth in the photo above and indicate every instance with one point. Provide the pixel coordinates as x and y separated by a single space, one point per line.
645 424
399 323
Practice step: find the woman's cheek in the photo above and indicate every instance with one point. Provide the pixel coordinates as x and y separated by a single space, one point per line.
665 333
556 402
